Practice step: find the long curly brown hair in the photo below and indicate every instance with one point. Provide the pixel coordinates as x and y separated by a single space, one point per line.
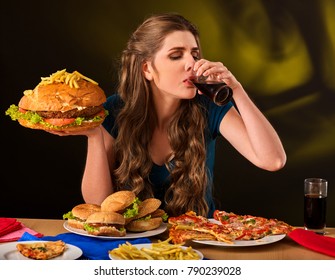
137 120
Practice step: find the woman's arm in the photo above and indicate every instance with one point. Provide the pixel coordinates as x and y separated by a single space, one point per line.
247 130
251 133
97 181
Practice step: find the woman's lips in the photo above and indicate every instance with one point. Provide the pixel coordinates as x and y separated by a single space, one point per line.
188 83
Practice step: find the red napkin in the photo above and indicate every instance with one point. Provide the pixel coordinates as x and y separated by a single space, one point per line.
12 230
313 241
8 225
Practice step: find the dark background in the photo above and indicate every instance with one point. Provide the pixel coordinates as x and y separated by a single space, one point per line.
282 51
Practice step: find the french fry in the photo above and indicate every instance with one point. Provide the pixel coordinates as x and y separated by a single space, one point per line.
162 250
70 79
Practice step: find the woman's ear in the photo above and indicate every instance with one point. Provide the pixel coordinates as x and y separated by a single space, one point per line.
147 70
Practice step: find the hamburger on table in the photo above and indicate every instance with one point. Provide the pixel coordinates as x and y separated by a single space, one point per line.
139 215
123 202
104 223
120 212
79 214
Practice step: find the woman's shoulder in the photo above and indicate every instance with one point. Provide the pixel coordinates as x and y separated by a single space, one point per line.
113 105
211 107
113 102
214 113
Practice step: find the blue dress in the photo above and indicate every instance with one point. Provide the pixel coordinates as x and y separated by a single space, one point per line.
159 175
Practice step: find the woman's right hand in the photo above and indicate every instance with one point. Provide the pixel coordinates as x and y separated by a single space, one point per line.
217 70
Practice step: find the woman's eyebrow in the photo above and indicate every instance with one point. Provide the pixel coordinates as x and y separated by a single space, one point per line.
183 48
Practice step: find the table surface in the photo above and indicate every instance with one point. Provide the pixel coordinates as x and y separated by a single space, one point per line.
285 249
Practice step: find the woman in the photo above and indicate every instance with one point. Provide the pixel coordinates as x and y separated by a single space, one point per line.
159 137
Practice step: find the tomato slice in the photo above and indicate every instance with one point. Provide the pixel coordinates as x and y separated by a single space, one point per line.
101 114
60 122
22 110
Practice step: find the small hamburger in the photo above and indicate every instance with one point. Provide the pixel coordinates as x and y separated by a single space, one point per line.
105 224
78 215
123 202
149 216
62 102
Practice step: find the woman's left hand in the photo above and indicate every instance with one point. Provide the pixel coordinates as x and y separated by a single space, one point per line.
88 132
215 70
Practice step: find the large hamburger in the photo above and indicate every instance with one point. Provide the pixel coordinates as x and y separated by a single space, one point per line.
62 102
123 202
79 214
105 224
149 216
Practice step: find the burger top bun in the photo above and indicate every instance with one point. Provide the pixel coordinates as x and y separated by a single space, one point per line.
148 206
118 201
82 211
63 91
104 217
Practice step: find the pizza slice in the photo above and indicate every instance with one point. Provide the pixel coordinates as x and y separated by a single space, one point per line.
189 218
243 227
189 226
180 236
248 227
279 227
42 250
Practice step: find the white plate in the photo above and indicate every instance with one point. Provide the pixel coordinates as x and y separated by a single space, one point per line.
129 235
9 251
244 243
149 245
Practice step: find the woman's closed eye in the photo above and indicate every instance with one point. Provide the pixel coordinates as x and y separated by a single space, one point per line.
176 57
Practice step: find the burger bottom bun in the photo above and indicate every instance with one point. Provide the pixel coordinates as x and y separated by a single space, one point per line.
75 224
84 126
108 231
144 225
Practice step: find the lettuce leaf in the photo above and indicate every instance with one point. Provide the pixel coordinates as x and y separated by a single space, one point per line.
132 210
68 216
15 114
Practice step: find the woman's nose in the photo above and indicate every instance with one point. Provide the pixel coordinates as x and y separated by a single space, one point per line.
189 65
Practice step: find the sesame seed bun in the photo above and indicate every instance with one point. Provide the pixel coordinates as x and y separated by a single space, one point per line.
103 217
118 201
80 213
62 97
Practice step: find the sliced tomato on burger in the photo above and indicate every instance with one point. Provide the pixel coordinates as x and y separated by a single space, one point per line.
22 110
102 114
60 122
